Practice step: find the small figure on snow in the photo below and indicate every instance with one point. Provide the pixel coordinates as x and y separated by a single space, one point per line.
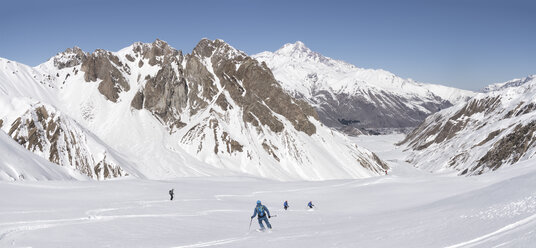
310 204
385 172
261 211
171 194
285 205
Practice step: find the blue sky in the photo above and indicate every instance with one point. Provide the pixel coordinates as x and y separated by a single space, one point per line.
466 44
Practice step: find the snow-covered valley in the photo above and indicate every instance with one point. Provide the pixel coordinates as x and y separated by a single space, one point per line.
407 208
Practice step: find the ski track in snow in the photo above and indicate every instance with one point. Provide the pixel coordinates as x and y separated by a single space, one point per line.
220 197
480 240
213 243
97 214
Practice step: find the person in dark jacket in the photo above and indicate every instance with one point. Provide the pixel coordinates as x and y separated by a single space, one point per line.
171 194
262 211
310 204
285 205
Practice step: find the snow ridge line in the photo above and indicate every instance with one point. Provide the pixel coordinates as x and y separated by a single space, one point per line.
506 228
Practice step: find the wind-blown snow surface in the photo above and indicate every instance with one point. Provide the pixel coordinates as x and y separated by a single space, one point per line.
338 90
404 209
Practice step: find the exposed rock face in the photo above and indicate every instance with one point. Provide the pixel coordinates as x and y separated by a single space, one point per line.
491 130
247 82
510 148
445 131
252 85
137 101
69 58
159 52
166 94
45 132
107 67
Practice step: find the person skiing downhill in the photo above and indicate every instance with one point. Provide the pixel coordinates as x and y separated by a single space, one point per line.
285 205
171 194
310 204
261 211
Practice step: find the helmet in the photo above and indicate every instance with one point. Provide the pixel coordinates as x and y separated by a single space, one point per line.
259 202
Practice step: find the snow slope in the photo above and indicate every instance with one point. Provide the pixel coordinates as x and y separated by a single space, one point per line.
18 163
492 130
338 90
406 208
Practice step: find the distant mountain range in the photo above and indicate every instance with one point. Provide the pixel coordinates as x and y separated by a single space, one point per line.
493 129
150 111
353 99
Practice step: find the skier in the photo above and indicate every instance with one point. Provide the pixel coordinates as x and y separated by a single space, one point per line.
261 211
171 194
310 204
285 205
385 172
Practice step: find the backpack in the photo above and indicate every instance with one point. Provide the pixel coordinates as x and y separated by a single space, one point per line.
260 210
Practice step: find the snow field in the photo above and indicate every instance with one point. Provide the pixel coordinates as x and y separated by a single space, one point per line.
406 208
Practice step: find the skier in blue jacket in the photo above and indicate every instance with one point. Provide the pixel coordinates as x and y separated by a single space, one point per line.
310 204
285 205
261 211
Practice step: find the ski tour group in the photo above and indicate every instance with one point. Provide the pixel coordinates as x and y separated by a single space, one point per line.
261 211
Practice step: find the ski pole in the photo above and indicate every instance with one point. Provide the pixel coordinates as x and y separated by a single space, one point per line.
250 220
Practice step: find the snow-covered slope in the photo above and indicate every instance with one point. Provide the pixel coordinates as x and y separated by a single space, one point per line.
347 96
491 130
512 83
215 111
42 129
418 210
19 164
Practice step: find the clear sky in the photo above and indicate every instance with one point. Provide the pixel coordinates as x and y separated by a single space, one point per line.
466 44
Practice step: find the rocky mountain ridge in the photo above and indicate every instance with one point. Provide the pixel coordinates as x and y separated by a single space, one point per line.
215 111
491 130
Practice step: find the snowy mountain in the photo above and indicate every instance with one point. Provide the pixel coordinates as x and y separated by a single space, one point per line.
19 164
491 130
150 111
55 137
512 83
347 97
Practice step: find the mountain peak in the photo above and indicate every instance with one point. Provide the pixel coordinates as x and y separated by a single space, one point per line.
295 48
509 84
207 48
298 50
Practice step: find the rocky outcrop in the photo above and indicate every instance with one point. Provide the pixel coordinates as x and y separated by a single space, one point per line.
252 85
43 131
509 149
69 58
444 131
158 53
107 67
165 95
